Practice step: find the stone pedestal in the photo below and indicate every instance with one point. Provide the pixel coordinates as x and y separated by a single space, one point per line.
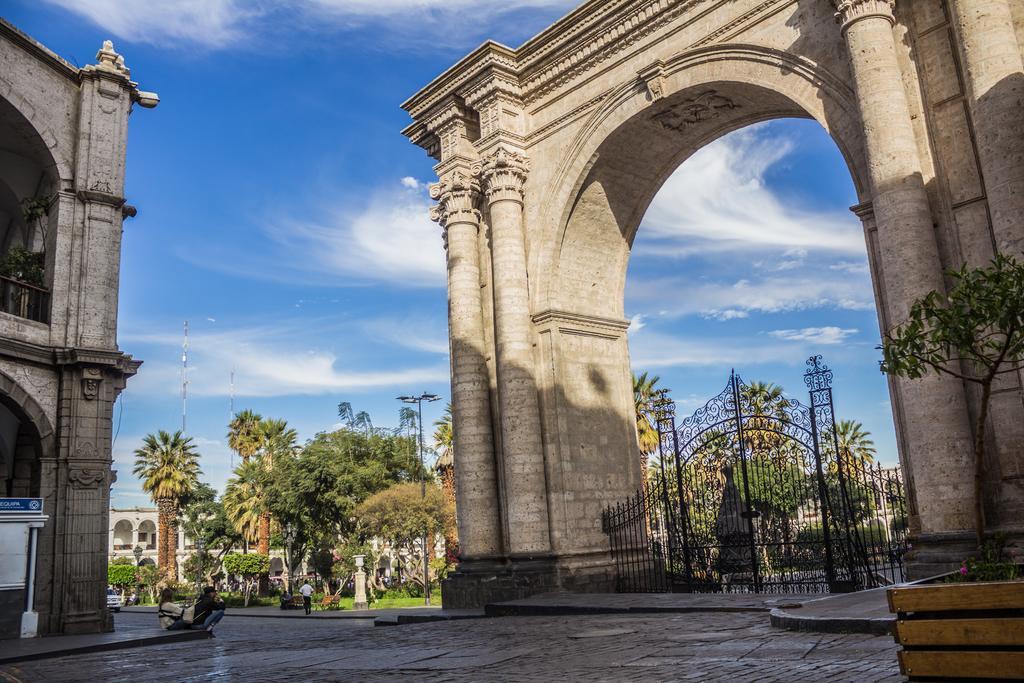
360 598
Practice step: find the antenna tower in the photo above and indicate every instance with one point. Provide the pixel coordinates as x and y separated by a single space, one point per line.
184 380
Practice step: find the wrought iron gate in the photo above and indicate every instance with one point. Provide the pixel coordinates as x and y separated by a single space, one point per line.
752 493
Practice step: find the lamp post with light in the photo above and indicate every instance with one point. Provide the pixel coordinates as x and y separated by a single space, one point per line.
418 400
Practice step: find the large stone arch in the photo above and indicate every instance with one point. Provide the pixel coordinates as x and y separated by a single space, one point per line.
549 155
619 143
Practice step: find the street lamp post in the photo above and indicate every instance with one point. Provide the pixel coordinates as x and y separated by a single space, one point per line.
289 538
137 552
200 547
418 400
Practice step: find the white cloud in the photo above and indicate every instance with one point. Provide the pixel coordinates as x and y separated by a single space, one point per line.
268 361
216 24
739 298
637 323
654 350
390 239
815 335
718 201
410 183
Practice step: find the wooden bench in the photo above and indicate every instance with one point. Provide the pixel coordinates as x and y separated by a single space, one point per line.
960 631
328 602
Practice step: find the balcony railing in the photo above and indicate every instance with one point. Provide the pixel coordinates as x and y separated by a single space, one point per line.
24 300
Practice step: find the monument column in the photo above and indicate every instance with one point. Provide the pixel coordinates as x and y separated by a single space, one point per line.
503 174
994 70
931 412
475 472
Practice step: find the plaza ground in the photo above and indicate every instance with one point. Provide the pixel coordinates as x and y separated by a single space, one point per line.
731 647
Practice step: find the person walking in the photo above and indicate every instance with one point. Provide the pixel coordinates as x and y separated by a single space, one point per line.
307 597
209 610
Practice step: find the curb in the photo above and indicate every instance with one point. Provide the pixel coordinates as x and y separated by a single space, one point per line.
161 639
506 610
877 626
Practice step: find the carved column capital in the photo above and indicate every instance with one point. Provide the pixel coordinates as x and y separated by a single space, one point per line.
849 11
456 195
503 174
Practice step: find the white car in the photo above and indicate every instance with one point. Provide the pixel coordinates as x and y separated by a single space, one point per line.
113 600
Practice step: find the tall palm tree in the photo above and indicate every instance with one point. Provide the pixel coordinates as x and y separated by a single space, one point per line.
644 391
444 443
855 446
242 434
764 404
274 439
243 498
168 466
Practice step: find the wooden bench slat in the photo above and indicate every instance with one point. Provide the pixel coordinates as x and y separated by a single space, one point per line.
962 664
960 632
968 596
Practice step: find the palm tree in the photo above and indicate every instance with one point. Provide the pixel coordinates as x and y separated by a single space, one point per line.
168 466
644 391
242 434
855 447
444 443
764 404
243 498
273 439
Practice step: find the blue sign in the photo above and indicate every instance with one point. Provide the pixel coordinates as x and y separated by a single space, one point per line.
21 505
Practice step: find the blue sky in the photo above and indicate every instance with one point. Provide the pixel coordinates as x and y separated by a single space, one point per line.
283 215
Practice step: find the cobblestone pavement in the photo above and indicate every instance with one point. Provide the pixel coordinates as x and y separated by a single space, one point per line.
687 647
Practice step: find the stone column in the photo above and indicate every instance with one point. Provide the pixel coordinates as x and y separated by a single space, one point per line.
994 70
504 174
475 470
932 412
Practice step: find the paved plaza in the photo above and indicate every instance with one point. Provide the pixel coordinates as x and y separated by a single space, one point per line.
692 647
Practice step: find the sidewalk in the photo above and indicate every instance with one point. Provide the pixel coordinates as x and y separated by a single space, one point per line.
124 636
424 612
640 603
861 612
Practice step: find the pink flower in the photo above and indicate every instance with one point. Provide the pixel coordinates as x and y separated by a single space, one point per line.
963 570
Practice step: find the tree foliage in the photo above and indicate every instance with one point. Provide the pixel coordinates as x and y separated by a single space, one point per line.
403 514
974 332
121 575
249 566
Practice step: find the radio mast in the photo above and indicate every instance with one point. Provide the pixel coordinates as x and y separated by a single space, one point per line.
184 380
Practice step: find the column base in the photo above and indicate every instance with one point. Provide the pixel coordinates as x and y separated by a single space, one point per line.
934 554
29 624
477 583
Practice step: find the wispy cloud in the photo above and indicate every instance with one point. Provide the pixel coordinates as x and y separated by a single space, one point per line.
268 360
218 24
815 335
739 298
654 350
388 239
719 201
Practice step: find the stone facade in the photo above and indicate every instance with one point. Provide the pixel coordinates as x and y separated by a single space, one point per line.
549 155
63 132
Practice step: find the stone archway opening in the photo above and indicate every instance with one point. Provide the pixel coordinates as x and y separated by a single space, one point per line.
21 450
748 257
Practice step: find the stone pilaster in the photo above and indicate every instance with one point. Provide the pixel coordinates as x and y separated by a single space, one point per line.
994 70
476 482
503 176
105 102
933 412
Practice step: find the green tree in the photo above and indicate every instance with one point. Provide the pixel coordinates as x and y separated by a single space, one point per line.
150 578
244 497
403 515
444 435
204 519
856 448
242 434
645 390
974 332
275 440
250 567
121 576
168 466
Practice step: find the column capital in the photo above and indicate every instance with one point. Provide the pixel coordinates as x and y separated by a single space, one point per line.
503 174
849 11
456 194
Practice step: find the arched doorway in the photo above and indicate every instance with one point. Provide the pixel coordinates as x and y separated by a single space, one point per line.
124 535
